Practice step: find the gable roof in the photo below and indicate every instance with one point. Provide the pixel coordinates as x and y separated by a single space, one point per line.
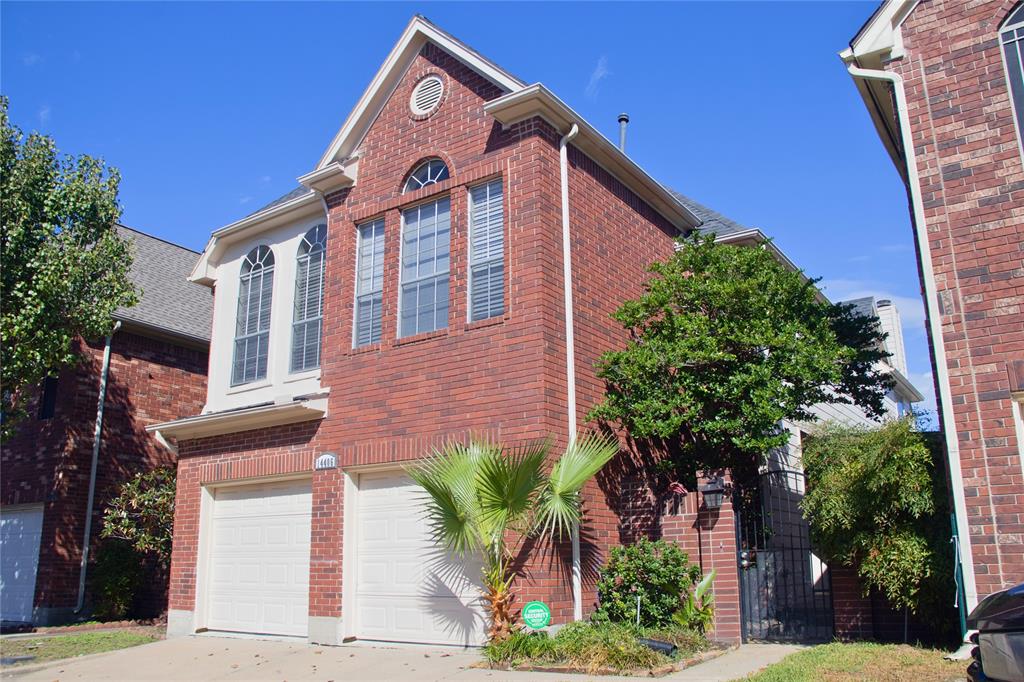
712 222
168 302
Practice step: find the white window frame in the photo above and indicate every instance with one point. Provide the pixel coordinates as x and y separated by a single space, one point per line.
401 266
1018 117
431 179
317 245
359 264
501 258
251 257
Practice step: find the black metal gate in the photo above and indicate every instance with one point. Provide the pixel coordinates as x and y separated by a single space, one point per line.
785 590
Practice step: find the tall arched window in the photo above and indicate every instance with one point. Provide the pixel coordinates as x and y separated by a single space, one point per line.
307 320
427 173
252 326
1011 37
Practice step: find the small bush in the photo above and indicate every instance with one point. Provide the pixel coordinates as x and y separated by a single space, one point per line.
518 647
116 578
611 645
658 572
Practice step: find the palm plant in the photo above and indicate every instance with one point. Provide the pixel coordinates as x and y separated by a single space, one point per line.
485 499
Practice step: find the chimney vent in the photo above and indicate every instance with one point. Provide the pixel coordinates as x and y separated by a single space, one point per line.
623 122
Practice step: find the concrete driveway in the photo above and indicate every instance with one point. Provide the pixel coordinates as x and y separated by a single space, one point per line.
204 658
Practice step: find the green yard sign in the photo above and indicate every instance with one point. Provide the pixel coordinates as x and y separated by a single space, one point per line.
536 615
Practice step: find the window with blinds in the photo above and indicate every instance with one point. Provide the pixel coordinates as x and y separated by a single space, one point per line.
1011 35
426 237
252 324
307 318
486 251
369 282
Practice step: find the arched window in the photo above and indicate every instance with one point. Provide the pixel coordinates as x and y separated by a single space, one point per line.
252 326
1011 37
427 173
307 321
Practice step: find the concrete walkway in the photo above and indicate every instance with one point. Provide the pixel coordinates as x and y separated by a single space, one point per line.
215 658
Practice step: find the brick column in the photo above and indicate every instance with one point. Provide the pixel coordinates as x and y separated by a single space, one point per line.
325 576
709 537
851 609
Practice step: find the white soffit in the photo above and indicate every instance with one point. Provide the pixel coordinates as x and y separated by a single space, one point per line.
232 421
390 74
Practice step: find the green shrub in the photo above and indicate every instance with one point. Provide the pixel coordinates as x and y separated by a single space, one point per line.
116 578
609 645
518 647
659 573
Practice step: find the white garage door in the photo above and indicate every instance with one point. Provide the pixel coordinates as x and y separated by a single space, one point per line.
259 559
20 530
406 590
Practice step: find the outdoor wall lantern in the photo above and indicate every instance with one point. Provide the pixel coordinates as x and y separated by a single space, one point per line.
713 492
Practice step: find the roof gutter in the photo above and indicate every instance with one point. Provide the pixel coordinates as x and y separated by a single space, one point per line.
963 536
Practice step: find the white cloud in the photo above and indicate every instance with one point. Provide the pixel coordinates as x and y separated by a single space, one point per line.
858 259
895 248
244 200
44 114
31 59
599 73
264 179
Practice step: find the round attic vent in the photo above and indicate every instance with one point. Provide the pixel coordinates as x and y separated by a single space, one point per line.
426 96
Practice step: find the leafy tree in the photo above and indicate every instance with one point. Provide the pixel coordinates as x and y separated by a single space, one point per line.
142 513
63 268
725 343
484 499
876 501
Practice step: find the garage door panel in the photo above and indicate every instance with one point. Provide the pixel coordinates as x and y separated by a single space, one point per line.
407 589
20 533
259 559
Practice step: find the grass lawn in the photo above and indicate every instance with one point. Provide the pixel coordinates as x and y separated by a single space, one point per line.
864 661
79 644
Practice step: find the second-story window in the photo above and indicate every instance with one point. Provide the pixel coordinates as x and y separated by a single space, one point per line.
1011 36
252 325
369 282
307 323
486 251
426 236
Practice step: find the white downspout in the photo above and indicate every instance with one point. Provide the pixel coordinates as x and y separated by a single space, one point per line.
570 354
935 325
96 438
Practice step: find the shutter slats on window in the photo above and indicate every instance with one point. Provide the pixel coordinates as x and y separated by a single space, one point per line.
487 251
307 323
369 283
252 323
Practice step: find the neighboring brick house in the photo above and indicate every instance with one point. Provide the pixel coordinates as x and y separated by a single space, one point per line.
447 269
157 371
943 83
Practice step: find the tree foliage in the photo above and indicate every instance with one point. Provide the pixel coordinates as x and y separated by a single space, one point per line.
876 501
63 268
725 343
484 499
142 513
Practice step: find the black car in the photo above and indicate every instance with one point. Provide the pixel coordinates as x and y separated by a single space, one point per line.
999 620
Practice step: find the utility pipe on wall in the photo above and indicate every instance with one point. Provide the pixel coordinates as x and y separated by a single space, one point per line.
96 439
570 355
934 324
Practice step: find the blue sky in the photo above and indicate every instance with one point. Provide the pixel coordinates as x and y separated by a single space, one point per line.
211 110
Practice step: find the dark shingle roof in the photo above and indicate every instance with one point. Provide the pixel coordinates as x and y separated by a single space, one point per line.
712 221
167 300
294 194
864 306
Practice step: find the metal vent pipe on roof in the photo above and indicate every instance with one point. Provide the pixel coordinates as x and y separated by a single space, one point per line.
623 122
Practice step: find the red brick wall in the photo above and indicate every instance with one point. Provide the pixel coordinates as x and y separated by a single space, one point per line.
49 461
972 183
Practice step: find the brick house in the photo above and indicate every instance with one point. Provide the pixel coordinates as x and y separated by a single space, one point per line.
943 84
157 371
448 268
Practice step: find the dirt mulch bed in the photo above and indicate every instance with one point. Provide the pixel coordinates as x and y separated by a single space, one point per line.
660 671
